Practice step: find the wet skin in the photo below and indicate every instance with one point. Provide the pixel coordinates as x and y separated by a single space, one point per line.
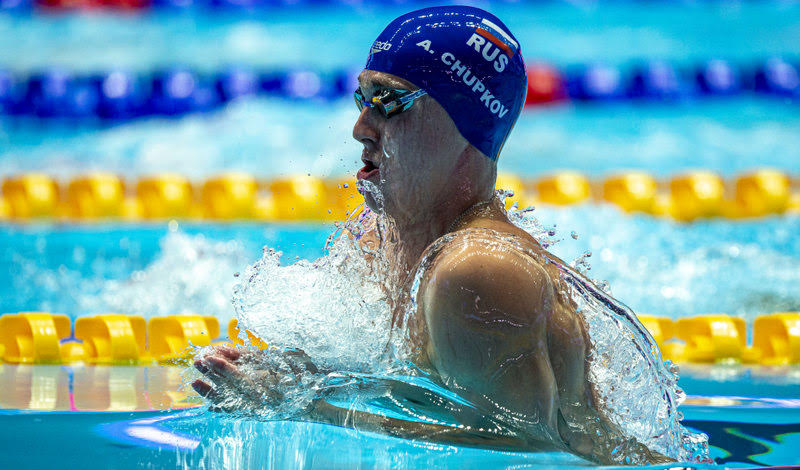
494 322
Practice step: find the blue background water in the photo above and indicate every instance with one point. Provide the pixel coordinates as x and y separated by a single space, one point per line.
655 266
271 136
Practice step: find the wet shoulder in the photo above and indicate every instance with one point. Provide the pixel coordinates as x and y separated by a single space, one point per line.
491 262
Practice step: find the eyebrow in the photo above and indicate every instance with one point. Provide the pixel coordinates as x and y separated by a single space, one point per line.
382 82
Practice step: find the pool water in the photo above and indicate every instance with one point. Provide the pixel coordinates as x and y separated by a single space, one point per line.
751 413
654 266
62 415
140 417
270 137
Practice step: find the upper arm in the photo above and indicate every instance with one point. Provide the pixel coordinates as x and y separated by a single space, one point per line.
486 311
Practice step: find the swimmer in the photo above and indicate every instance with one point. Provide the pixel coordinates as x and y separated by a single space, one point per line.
440 93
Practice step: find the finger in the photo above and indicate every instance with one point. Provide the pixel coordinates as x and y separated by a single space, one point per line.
199 365
223 368
227 375
229 353
202 388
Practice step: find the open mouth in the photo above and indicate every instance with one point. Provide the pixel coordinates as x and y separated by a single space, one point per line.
368 171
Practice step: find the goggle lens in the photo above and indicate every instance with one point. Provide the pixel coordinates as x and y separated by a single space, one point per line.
388 101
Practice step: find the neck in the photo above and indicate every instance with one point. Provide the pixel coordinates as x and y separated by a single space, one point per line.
414 236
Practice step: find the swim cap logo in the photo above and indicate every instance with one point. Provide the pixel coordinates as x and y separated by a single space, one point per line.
471 80
489 39
381 46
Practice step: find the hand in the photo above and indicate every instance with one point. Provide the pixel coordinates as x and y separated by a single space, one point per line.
242 379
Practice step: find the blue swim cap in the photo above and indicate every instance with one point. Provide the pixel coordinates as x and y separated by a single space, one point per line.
467 60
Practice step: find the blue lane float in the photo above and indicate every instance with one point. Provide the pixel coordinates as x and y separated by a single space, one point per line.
180 91
718 78
778 77
595 82
120 95
236 83
16 6
56 93
657 80
12 93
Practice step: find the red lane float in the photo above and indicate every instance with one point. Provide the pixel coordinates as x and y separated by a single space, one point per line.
545 85
93 4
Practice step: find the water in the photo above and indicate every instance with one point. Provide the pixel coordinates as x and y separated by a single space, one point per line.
109 268
654 266
342 311
270 137
262 137
746 410
328 38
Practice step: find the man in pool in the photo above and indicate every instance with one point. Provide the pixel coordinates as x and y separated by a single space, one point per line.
441 91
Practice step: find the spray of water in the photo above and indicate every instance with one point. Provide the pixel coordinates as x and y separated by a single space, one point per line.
192 275
636 389
339 310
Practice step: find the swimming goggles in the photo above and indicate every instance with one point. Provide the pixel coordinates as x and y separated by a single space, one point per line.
389 101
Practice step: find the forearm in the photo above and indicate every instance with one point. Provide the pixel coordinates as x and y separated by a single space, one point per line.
324 412
590 434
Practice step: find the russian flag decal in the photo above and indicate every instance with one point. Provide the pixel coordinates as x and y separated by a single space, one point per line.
498 37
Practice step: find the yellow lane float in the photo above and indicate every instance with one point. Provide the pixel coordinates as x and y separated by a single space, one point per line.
31 195
171 338
563 188
763 192
343 198
34 338
96 195
777 338
714 338
299 198
165 196
632 192
234 332
5 211
239 196
230 196
112 339
695 195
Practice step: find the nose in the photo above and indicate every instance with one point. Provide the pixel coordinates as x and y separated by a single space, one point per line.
366 130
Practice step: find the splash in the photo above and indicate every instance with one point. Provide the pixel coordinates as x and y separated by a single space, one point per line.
625 360
339 310
191 275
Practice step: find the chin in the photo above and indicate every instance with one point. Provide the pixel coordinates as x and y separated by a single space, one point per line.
370 202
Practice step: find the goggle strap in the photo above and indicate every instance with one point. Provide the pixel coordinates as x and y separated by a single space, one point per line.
411 96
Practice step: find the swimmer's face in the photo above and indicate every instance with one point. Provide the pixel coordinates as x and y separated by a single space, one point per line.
415 152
